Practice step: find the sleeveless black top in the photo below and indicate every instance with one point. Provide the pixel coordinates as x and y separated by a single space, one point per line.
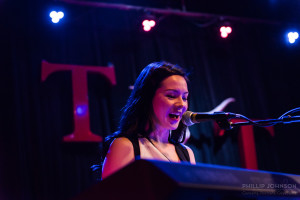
181 151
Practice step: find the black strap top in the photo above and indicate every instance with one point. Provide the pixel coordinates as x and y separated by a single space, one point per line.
181 151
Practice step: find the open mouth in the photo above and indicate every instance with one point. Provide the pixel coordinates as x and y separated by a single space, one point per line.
174 116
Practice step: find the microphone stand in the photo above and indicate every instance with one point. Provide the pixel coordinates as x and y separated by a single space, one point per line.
286 118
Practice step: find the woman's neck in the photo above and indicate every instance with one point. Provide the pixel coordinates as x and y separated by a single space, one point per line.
160 136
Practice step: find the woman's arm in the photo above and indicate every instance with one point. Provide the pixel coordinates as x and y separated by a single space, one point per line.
120 154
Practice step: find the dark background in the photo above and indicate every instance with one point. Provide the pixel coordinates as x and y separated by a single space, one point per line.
254 65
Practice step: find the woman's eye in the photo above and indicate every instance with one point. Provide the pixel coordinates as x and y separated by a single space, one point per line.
171 96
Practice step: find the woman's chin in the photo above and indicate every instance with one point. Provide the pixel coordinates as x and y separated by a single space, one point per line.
174 126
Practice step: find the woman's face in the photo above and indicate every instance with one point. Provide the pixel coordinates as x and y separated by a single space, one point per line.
170 102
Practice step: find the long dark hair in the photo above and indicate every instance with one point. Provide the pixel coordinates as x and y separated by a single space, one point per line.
138 111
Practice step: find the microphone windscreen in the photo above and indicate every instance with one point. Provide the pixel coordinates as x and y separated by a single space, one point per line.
186 118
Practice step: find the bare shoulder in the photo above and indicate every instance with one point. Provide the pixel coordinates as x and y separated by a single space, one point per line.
121 142
119 155
191 154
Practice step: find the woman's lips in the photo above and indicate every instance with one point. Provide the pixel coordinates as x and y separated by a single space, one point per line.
174 116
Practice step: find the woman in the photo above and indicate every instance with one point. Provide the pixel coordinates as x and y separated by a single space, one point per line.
150 126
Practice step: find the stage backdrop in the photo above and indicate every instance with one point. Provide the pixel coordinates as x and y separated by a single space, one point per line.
254 65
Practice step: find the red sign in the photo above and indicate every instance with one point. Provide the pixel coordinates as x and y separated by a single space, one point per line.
246 143
82 132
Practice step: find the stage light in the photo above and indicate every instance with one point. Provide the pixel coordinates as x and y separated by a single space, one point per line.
56 16
148 21
148 24
225 31
292 37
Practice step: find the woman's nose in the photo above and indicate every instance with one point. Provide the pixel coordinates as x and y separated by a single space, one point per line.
181 103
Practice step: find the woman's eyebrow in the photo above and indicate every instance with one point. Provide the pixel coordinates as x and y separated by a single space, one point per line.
175 90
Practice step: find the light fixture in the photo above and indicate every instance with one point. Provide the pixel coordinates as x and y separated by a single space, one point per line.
148 22
292 37
225 31
56 16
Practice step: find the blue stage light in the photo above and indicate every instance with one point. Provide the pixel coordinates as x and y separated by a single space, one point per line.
292 37
56 16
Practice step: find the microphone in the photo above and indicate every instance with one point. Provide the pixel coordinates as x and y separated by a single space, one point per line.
189 118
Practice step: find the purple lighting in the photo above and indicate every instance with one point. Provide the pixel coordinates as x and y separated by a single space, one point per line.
148 24
225 31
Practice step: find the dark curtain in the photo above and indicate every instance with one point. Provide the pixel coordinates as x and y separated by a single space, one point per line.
254 65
